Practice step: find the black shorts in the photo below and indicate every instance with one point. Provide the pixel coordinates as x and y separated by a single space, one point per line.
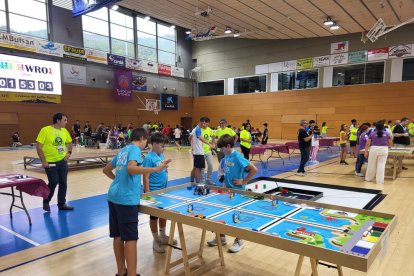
199 161
352 143
123 221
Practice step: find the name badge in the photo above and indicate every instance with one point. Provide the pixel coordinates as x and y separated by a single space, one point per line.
60 149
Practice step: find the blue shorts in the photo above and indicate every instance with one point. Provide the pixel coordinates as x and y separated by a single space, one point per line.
123 221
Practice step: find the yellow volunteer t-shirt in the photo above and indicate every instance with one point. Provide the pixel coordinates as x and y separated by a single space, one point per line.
411 129
52 140
341 141
220 132
207 134
353 133
244 134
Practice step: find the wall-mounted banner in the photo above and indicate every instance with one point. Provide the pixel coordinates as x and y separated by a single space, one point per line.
339 47
139 83
29 98
123 85
29 75
378 54
339 59
96 56
80 7
49 48
18 42
304 63
164 69
177 72
169 102
74 74
116 60
289 65
400 51
357 56
74 52
133 64
321 61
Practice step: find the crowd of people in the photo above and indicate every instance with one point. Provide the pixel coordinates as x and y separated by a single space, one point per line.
367 143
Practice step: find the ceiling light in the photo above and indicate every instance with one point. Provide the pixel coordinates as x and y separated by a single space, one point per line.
334 26
328 21
147 18
228 30
236 34
115 7
188 32
172 26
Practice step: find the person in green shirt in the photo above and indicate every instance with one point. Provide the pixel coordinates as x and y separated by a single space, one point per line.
207 133
324 130
223 129
54 147
411 128
353 129
246 141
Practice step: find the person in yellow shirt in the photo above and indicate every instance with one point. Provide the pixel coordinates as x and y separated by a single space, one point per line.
223 129
246 141
54 147
207 133
353 129
410 128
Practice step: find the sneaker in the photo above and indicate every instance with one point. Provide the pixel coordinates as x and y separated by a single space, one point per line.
300 174
65 207
46 206
164 240
158 247
359 174
237 246
213 242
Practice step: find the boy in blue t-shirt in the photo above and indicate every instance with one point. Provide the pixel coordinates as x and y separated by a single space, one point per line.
157 181
123 200
234 166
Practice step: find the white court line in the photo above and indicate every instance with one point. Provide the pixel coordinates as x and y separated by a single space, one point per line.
19 236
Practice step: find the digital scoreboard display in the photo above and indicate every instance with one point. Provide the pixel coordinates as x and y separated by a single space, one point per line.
18 74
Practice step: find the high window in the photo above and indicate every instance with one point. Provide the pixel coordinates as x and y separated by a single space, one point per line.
408 69
358 74
211 88
250 84
298 80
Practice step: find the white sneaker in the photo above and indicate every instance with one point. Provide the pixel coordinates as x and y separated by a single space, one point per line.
213 242
158 247
359 174
300 174
237 246
164 240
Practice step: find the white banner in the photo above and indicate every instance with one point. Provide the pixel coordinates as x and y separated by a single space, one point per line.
177 72
378 54
133 64
321 61
339 47
275 67
49 48
339 59
28 75
149 66
96 56
18 42
261 69
289 65
74 74
400 51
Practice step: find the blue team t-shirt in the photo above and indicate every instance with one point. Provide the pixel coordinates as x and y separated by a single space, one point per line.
234 165
126 188
157 180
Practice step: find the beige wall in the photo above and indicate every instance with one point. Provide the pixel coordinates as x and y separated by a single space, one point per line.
283 110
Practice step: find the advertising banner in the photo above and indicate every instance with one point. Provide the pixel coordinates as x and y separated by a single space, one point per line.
29 98
96 56
164 69
133 64
400 51
177 72
338 59
74 74
116 60
18 42
123 85
289 65
339 47
169 102
358 56
49 48
321 61
74 52
139 83
378 54
304 63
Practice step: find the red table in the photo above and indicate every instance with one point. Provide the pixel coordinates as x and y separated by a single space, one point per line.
23 183
260 149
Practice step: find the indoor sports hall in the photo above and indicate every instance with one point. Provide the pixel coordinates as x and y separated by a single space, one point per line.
206 137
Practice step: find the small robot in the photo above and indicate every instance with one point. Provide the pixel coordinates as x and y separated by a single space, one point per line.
201 189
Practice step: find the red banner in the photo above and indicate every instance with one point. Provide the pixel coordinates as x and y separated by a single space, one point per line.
164 69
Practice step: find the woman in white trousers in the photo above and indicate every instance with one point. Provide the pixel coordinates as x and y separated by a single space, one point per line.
377 145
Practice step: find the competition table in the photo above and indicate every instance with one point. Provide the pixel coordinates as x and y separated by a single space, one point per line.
23 183
343 236
77 159
274 148
326 142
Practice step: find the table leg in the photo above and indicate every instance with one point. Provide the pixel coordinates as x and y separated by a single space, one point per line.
202 243
184 249
12 204
299 265
220 248
395 168
24 208
314 266
169 248
340 273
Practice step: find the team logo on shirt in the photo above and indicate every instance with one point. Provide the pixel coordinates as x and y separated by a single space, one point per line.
122 160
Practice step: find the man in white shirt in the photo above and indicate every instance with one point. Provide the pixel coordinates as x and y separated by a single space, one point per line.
197 140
